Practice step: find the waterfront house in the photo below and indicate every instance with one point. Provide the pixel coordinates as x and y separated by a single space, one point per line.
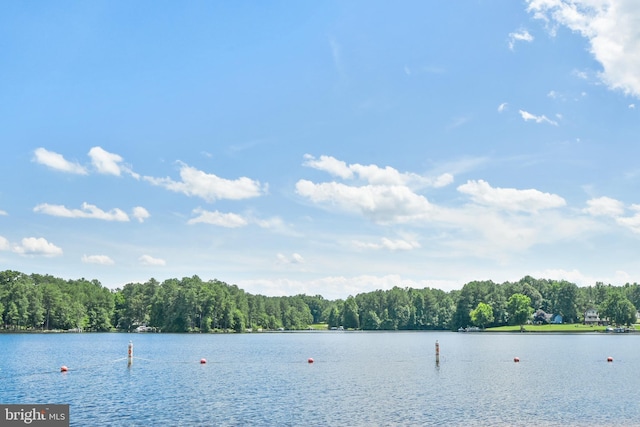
591 317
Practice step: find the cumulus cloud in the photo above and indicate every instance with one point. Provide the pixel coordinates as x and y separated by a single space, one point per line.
87 211
228 220
57 161
374 174
604 206
526 116
108 163
382 194
522 35
149 260
631 222
329 164
97 259
510 199
4 244
37 246
209 187
612 28
380 203
608 207
140 213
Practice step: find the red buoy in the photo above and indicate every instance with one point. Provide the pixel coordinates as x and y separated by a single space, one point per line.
609 359
310 360
516 359
63 368
203 361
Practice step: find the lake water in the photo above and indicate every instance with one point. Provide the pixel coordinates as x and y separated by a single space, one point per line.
358 378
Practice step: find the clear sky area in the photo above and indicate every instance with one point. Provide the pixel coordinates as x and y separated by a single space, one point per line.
321 147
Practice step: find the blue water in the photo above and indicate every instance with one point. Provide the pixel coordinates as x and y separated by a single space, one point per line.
358 379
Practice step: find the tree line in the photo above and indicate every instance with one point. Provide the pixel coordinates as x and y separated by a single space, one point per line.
43 302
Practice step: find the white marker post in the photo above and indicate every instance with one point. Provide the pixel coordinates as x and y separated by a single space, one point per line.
130 356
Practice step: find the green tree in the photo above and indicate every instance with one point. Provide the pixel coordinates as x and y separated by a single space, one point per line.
238 321
565 300
350 317
333 319
481 315
370 321
618 309
519 308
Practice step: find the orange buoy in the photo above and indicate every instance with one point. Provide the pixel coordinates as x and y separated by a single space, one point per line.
63 368
609 359
310 360
516 359
203 361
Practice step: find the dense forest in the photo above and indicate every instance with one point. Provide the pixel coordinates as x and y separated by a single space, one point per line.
43 302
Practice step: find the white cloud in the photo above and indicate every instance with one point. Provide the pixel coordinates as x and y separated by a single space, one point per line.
329 164
57 161
4 244
37 246
632 222
3 213
228 220
604 206
555 95
334 287
87 211
510 199
275 223
608 207
380 203
613 30
632 106
97 259
140 213
522 35
295 258
576 276
209 186
526 116
149 260
374 174
392 245
502 107
105 162
109 163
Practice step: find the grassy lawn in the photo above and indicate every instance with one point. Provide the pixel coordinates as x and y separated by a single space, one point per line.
549 328
319 326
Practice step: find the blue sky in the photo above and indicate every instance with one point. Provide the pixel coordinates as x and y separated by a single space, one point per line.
321 147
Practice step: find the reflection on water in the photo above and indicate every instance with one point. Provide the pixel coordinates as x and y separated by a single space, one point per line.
358 379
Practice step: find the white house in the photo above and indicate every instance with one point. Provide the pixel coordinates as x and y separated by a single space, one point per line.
591 317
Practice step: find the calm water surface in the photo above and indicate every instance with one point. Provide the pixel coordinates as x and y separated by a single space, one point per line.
358 379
